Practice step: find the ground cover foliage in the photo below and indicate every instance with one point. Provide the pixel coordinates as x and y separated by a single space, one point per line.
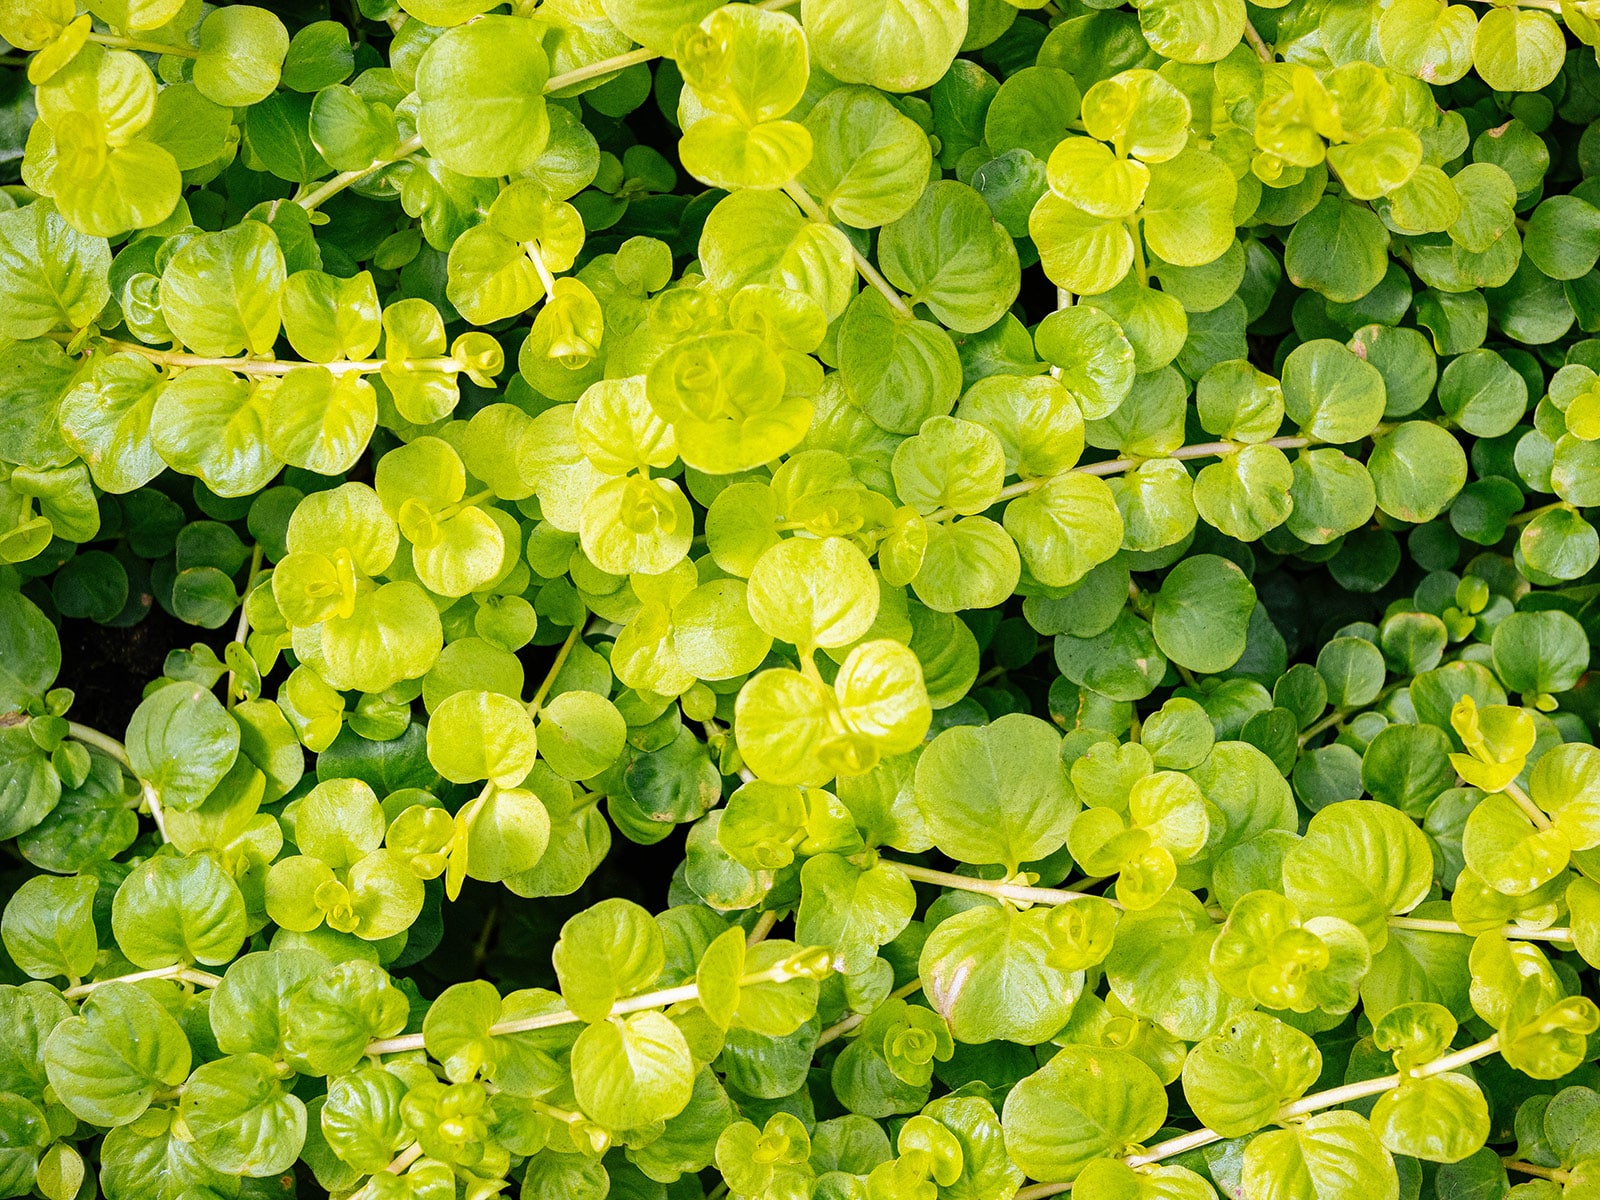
870 600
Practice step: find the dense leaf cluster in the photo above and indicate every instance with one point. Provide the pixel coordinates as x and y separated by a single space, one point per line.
1069 526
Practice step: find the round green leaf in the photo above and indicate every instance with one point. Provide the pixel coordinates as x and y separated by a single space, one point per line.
481 88
1332 393
1338 249
1518 50
220 293
1084 1103
632 1071
813 592
1237 1080
1094 356
1417 470
996 793
48 927
482 735
1329 1154
895 45
30 650
242 49
1202 613
52 276
242 1120
1362 861
107 1063
987 971
869 162
179 910
182 742
1540 652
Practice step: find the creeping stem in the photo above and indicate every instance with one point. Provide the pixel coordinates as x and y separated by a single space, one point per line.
791 969
179 972
1200 450
1302 1107
1337 717
604 66
1117 466
1557 933
399 1166
1549 6
123 43
618 62
1003 890
990 887
254 366
1532 514
1064 299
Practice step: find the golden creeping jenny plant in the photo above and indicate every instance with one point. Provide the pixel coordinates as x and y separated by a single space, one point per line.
1069 528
